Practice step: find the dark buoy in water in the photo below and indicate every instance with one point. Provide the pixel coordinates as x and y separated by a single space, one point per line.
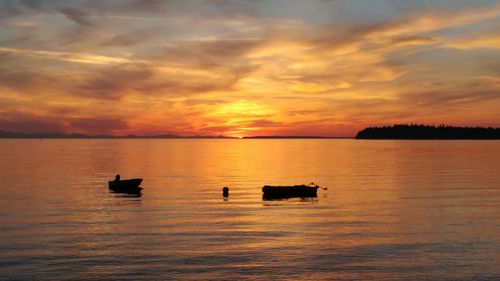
225 191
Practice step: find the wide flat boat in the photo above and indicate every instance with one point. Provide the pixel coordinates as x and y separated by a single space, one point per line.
130 185
289 191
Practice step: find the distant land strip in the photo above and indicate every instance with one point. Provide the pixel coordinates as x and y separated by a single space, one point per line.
398 131
429 132
17 135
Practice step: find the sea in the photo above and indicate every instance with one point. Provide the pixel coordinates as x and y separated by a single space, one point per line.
394 210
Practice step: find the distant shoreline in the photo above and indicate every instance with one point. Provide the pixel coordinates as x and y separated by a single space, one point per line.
394 132
16 135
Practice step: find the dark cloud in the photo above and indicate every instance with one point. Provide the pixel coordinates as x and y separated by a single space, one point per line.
98 125
332 36
33 4
17 122
9 8
231 48
22 122
209 54
413 39
23 80
301 112
491 66
76 15
194 8
442 5
112 83
78 37
451 99
146 5
178 87
131 38
117 81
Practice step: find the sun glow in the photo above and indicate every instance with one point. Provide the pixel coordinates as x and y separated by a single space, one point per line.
240 111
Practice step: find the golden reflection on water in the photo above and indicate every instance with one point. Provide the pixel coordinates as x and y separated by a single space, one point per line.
393 209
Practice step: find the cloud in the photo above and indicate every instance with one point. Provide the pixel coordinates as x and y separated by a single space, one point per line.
152 80
264 123
434 20
98 125
66 56
149 6
16 121
25 24
9 9
76 15
194 8
33 4
210 54
29 123
445 99
130 38
113 83
484 41
27 81
493 81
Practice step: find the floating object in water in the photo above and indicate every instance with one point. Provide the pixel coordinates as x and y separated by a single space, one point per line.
225 191
130 185
289 191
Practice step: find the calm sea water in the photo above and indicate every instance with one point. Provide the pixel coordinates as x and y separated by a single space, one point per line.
395 210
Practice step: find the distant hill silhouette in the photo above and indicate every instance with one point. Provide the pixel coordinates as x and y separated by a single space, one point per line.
5 134
428 132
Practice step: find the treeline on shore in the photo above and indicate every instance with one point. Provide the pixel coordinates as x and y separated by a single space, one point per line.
413 131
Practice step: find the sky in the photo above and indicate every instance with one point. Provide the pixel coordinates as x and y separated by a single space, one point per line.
247 67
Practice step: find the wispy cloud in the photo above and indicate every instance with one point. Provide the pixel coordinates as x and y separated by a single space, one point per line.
76 15
66 56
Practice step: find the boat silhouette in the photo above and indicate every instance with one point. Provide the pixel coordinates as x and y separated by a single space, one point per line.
290 191
125 186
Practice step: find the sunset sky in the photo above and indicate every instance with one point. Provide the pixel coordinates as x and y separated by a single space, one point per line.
246 68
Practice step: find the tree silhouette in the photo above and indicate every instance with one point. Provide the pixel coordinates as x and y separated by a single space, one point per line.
414 131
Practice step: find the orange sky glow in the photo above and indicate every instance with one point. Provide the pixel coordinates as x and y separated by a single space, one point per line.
247 68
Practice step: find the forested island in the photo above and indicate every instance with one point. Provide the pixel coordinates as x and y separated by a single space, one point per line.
423 132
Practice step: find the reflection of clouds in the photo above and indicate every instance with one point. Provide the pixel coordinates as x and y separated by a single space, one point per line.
177 67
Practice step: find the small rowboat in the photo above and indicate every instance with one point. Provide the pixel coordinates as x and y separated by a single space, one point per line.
289 191
131 185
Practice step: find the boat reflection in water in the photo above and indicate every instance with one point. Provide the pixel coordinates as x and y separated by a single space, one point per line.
131 193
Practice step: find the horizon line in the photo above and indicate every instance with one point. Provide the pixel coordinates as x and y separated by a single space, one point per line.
21 135
59 135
